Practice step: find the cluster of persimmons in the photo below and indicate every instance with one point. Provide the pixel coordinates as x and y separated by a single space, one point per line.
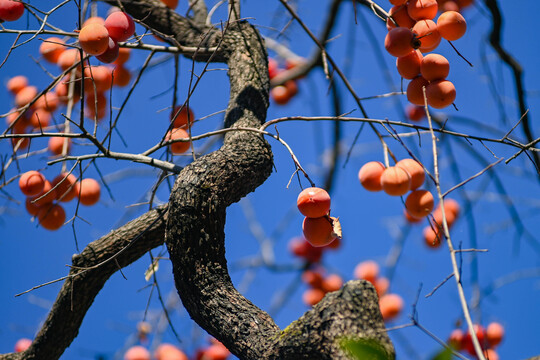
412 33
214 351
43 197
281 94
319 228
409 175
489 338
389 304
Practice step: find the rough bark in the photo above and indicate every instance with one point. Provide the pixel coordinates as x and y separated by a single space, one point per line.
91 270
194 230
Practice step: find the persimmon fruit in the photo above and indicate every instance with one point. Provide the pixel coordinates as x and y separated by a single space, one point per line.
408 66
451 25
494 333
137 353
120 26
415 93
89 191
67 187
367 270
427 34
400 41
434 67
440 93
178 148
390 306
51 49
182 116
415 170
11 10
51 217
401 18
318 231
370 175
313 202
17 83
422 9
395 181
419 203
32 183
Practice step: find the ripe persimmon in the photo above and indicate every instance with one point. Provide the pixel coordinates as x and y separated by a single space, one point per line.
415 94
467 339
494 333
400 41
367 270
40 118
370 175
94 20
300 247
120 26
422 9
280 94
427 34
415 170
434 67
123 56
312 278
171 4
25 95
51 217
318 231
22 344
332 282
440 93
395 181
169 352
313 202
67 187
46 196
455 339
31 207
11 10
178 147
100 76
273 68
121 76
216 351
17 83
51 49
182 116
408 66
32 182
390 306
419 203
409 218
381 286
68 58
48 102
312 296
401 18
56 145
111 53
432 237
452 25
89 191
415 112
94 39
137 352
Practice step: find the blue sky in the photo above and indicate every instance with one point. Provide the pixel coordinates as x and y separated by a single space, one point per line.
372 222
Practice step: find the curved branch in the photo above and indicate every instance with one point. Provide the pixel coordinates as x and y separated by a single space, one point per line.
91 269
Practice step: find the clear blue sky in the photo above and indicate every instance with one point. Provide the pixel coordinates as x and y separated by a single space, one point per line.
372 222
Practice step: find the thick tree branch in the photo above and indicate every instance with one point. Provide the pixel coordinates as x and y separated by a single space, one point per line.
91 269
